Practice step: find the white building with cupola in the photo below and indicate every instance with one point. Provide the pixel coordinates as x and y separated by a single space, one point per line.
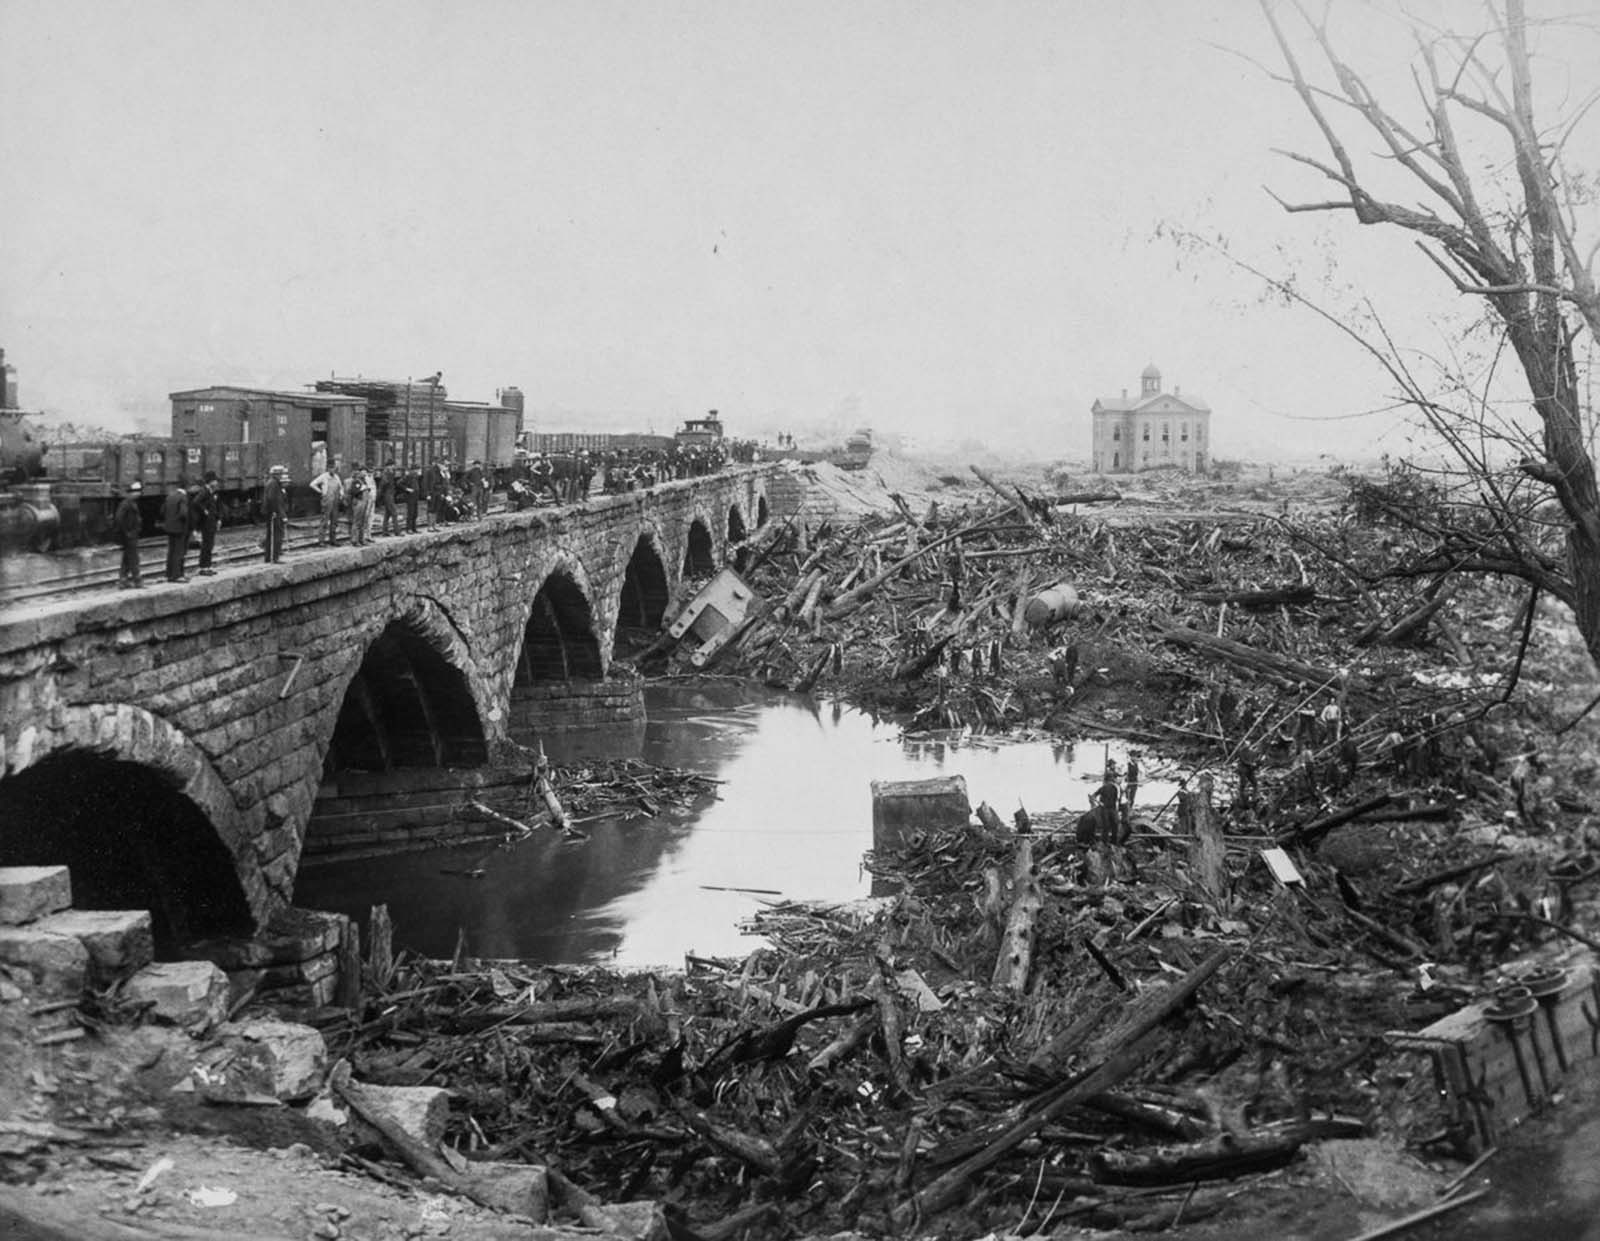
1151 430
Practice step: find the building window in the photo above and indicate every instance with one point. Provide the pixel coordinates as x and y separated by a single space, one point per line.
1116 435
1116 461
1146 435
1183 432
1166 432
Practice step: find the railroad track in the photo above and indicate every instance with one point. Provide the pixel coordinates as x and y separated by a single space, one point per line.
242 549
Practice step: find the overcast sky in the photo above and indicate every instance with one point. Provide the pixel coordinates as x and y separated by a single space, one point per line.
933 217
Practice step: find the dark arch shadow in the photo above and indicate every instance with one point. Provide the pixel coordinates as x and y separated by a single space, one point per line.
131 839
737 534
406 706
763 513
700 553
559 642
643 600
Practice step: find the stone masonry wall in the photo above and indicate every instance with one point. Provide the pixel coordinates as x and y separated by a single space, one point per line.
232 685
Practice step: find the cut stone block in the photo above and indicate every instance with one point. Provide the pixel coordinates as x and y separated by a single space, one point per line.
290 936
518 1188
118 940
59 964
29 892
902 808
422 1111
248 1061
192 994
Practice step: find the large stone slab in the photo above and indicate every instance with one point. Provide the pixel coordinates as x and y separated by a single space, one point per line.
290 936
192 994
263 1058
29 892
118 940
58 964
422 1111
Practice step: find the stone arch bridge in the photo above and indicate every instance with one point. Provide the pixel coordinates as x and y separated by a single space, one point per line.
169 744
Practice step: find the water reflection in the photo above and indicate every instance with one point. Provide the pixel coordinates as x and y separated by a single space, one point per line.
792 817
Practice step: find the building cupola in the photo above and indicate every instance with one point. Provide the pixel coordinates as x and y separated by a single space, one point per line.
1150 381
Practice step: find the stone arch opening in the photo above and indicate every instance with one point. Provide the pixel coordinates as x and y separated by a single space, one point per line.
132 839
644 598
763 512
559 642
406 706
700 553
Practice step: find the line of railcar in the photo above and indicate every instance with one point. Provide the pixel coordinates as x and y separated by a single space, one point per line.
65 494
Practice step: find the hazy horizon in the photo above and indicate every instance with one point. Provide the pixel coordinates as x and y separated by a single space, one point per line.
926 218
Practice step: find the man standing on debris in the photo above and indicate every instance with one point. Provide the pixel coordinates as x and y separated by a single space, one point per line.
128 524
275 507
175 524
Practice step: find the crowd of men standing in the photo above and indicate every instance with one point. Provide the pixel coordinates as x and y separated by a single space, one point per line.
359 496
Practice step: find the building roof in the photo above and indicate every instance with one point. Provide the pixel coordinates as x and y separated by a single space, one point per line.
299 395
1145 404
1150 372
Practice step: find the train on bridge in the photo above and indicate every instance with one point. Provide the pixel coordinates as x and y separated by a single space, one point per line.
61 494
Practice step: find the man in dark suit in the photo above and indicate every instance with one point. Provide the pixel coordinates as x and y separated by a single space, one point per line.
128 523
175 524
275 508
205 514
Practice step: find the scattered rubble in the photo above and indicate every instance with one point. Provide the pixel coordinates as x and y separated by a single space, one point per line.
1354 939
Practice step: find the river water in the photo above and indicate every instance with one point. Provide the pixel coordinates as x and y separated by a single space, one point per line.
791 819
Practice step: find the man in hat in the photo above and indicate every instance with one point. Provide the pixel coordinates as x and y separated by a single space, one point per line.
175 524
275 508
128 523
205 514
359 495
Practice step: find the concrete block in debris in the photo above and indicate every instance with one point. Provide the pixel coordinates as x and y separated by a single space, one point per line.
263 1058
192 994
58 964
518 1188
29 892
119 940
422 1111
903 808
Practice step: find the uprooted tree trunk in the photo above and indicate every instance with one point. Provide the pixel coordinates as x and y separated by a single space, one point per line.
1514 245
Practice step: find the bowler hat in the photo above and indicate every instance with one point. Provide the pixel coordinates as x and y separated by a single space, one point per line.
136 485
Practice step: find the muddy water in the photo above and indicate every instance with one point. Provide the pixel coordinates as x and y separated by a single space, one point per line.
791 819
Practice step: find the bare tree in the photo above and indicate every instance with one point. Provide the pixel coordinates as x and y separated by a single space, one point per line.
1511 240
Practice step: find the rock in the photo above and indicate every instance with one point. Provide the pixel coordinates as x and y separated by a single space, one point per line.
422 1111
290 937
635 1221
192 994
59 964
263 1058
517 1188
29 892
118 940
